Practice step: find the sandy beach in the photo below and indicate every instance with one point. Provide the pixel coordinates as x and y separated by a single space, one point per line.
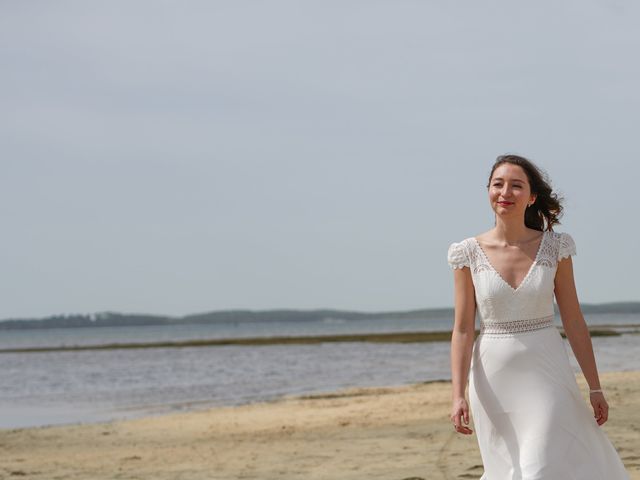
394 433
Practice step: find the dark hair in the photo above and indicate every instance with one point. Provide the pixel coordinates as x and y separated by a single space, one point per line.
547 205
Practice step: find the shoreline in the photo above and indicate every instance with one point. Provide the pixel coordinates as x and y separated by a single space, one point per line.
156 410
395 433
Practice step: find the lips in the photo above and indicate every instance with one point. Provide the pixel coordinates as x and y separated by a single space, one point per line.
505 203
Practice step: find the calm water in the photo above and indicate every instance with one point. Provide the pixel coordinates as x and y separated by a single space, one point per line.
89 386
109 335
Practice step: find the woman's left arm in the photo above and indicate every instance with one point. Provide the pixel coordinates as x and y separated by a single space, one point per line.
577 333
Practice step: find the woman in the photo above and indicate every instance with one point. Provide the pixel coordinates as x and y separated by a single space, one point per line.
530 419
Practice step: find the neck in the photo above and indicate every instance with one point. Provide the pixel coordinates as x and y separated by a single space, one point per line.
511 230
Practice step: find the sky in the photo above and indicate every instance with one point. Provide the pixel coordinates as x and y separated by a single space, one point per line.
174 157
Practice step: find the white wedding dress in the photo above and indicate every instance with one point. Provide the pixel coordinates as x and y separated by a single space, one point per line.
531 420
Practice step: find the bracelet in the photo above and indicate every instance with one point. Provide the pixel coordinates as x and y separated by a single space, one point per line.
595 391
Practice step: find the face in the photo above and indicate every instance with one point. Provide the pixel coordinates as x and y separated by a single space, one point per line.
509 190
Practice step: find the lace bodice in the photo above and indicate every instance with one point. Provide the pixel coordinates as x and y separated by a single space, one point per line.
502 308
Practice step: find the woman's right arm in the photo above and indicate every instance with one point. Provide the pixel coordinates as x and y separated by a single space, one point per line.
462 338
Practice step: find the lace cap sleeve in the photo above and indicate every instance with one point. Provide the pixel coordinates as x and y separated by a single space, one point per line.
457 256
567 246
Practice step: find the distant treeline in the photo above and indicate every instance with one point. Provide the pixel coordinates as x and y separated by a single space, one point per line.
111 319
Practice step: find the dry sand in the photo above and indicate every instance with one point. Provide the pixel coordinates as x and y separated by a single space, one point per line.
396 433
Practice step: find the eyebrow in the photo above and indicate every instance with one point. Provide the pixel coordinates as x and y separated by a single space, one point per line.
515 179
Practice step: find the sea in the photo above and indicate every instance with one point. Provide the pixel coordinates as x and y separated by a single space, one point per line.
38 389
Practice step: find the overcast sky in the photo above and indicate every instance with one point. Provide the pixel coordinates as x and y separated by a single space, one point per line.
177 157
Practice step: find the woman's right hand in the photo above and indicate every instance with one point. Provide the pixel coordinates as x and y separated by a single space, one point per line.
460 413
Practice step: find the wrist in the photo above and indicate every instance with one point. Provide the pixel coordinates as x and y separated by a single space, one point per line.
596 386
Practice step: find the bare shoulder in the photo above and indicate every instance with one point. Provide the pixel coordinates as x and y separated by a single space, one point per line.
535 235
485 237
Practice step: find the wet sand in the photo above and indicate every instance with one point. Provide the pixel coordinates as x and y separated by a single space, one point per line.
394 433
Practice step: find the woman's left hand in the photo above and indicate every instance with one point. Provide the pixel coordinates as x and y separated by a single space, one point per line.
600 407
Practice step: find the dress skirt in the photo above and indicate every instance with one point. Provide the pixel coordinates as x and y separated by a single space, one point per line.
530 418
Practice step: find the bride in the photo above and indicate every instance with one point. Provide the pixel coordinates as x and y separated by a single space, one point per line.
530 418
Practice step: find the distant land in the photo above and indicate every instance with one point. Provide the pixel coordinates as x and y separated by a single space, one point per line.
112 319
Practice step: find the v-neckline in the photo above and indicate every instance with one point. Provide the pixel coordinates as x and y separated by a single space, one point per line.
524 280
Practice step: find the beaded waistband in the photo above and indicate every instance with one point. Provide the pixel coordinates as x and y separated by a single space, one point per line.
515 326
